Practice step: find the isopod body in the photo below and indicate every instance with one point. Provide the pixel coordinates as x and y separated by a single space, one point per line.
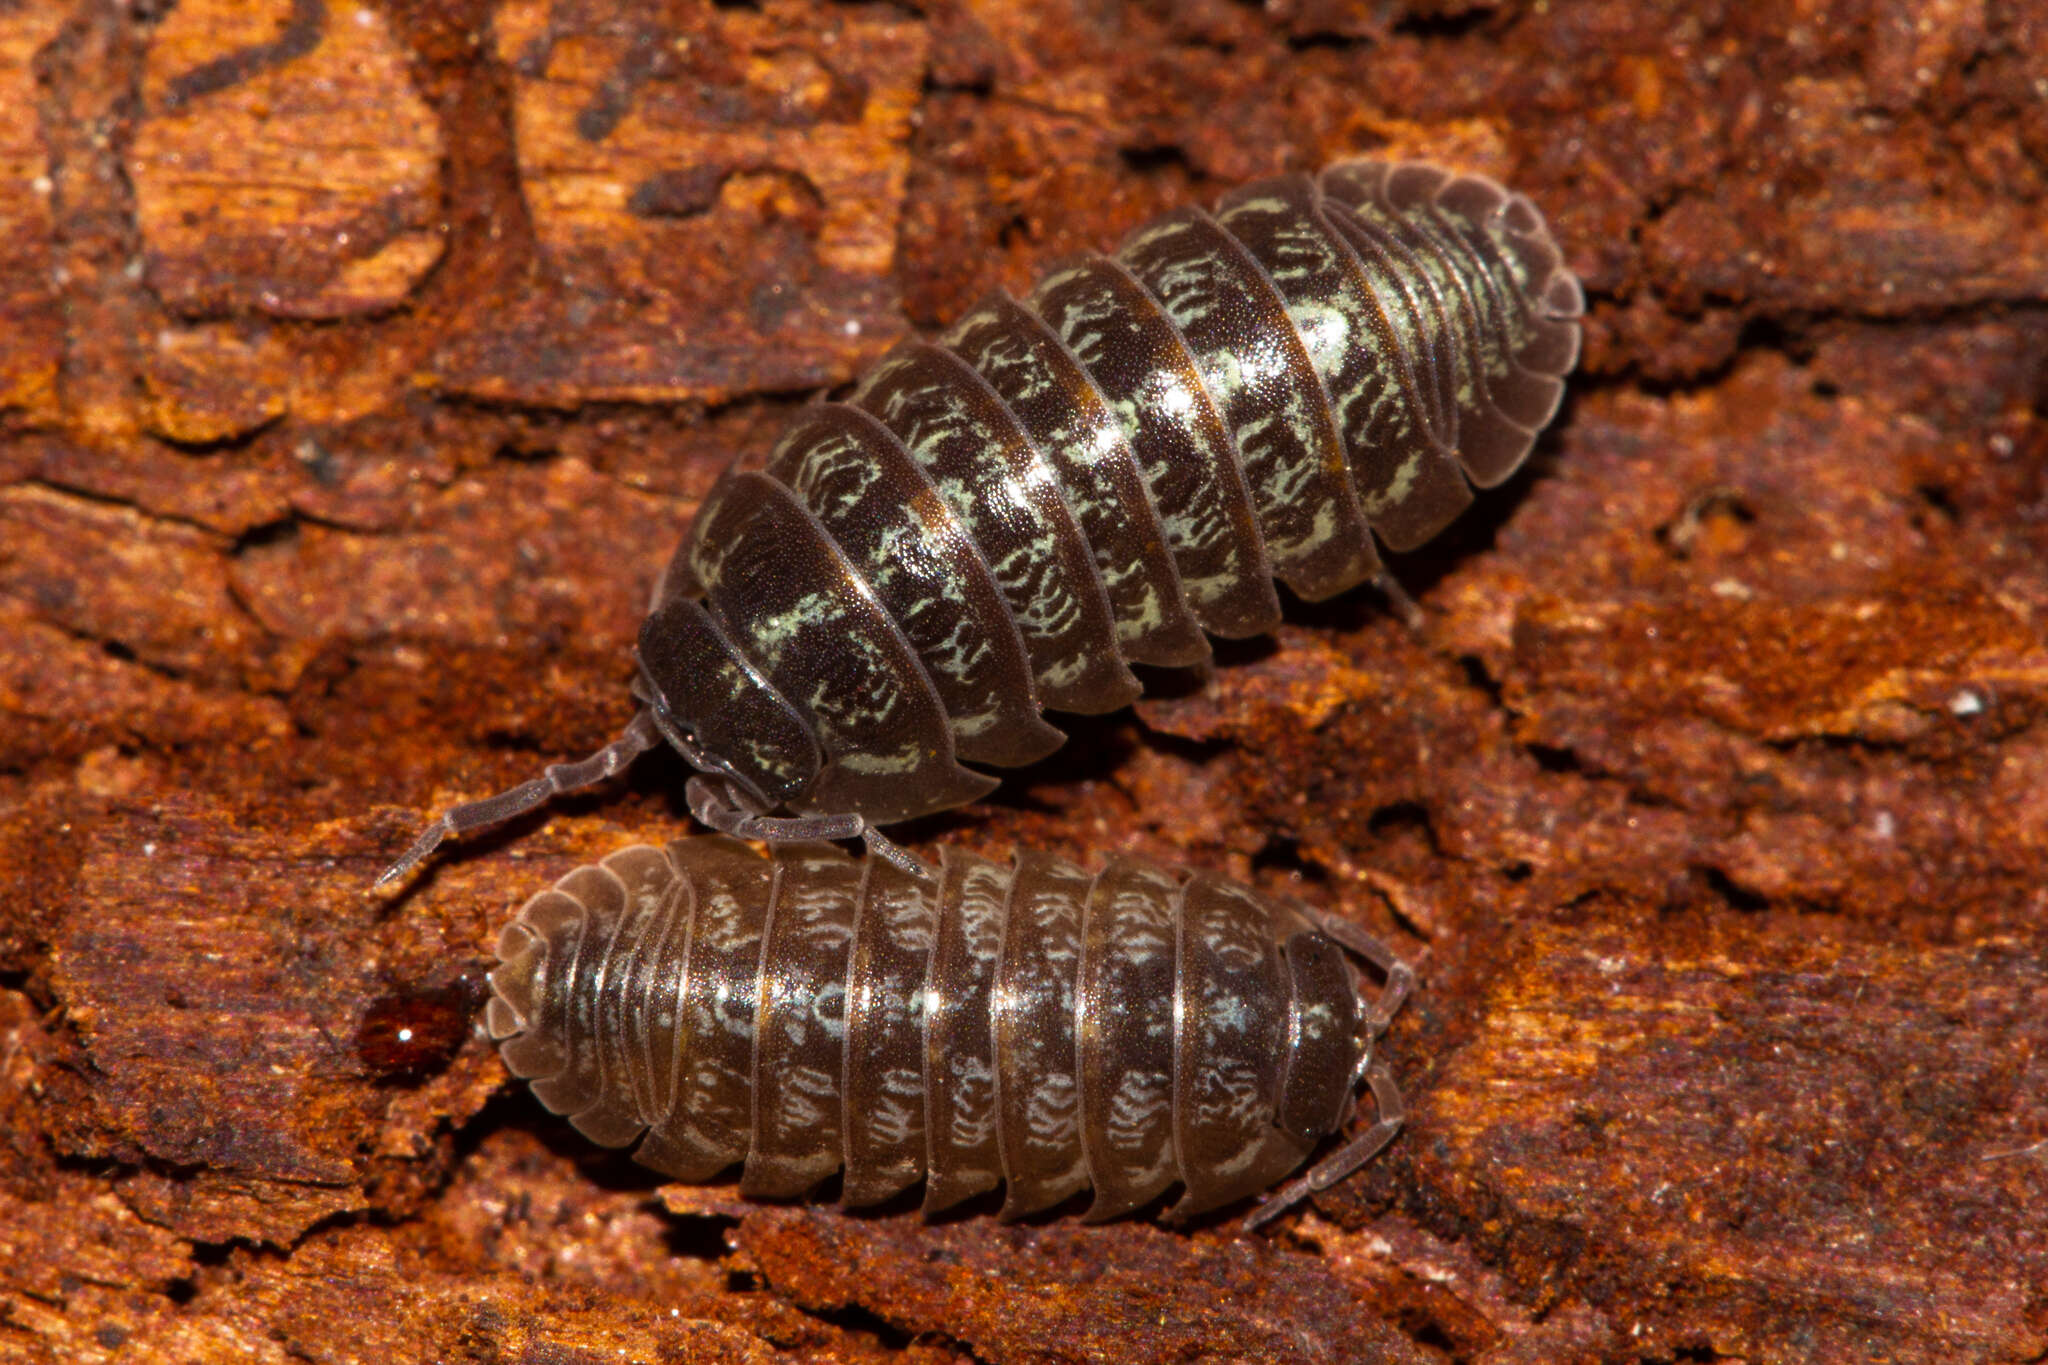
1029 1024
999 522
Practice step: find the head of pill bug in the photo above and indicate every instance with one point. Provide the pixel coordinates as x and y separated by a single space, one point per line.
718 710
1326 1044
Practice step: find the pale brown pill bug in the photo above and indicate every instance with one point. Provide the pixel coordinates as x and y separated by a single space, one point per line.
1030 1024
999 523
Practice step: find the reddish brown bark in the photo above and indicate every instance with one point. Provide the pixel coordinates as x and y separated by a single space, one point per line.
362 362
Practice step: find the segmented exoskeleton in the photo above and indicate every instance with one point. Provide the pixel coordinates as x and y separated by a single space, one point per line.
1031 1024
1000 522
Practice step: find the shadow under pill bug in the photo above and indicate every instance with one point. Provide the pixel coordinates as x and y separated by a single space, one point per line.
998 523
1027 1024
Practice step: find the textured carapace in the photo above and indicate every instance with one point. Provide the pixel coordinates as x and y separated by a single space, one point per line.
1029 1024
998 523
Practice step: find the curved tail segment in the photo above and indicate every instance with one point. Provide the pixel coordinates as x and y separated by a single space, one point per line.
1506 327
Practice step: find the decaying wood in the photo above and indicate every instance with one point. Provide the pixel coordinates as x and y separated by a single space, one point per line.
362 361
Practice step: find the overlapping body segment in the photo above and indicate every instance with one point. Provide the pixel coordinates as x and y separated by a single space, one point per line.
1031 1024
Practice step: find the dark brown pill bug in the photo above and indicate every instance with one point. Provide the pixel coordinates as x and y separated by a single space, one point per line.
1029 1024
999 522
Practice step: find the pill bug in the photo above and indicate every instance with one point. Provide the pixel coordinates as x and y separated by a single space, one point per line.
1030 1024
1000 522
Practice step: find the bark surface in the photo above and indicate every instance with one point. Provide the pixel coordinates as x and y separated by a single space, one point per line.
362 363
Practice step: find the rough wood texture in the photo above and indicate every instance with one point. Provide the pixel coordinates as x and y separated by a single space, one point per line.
362 361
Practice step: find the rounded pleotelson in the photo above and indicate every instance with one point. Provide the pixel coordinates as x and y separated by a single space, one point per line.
1029 1024
1000 522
